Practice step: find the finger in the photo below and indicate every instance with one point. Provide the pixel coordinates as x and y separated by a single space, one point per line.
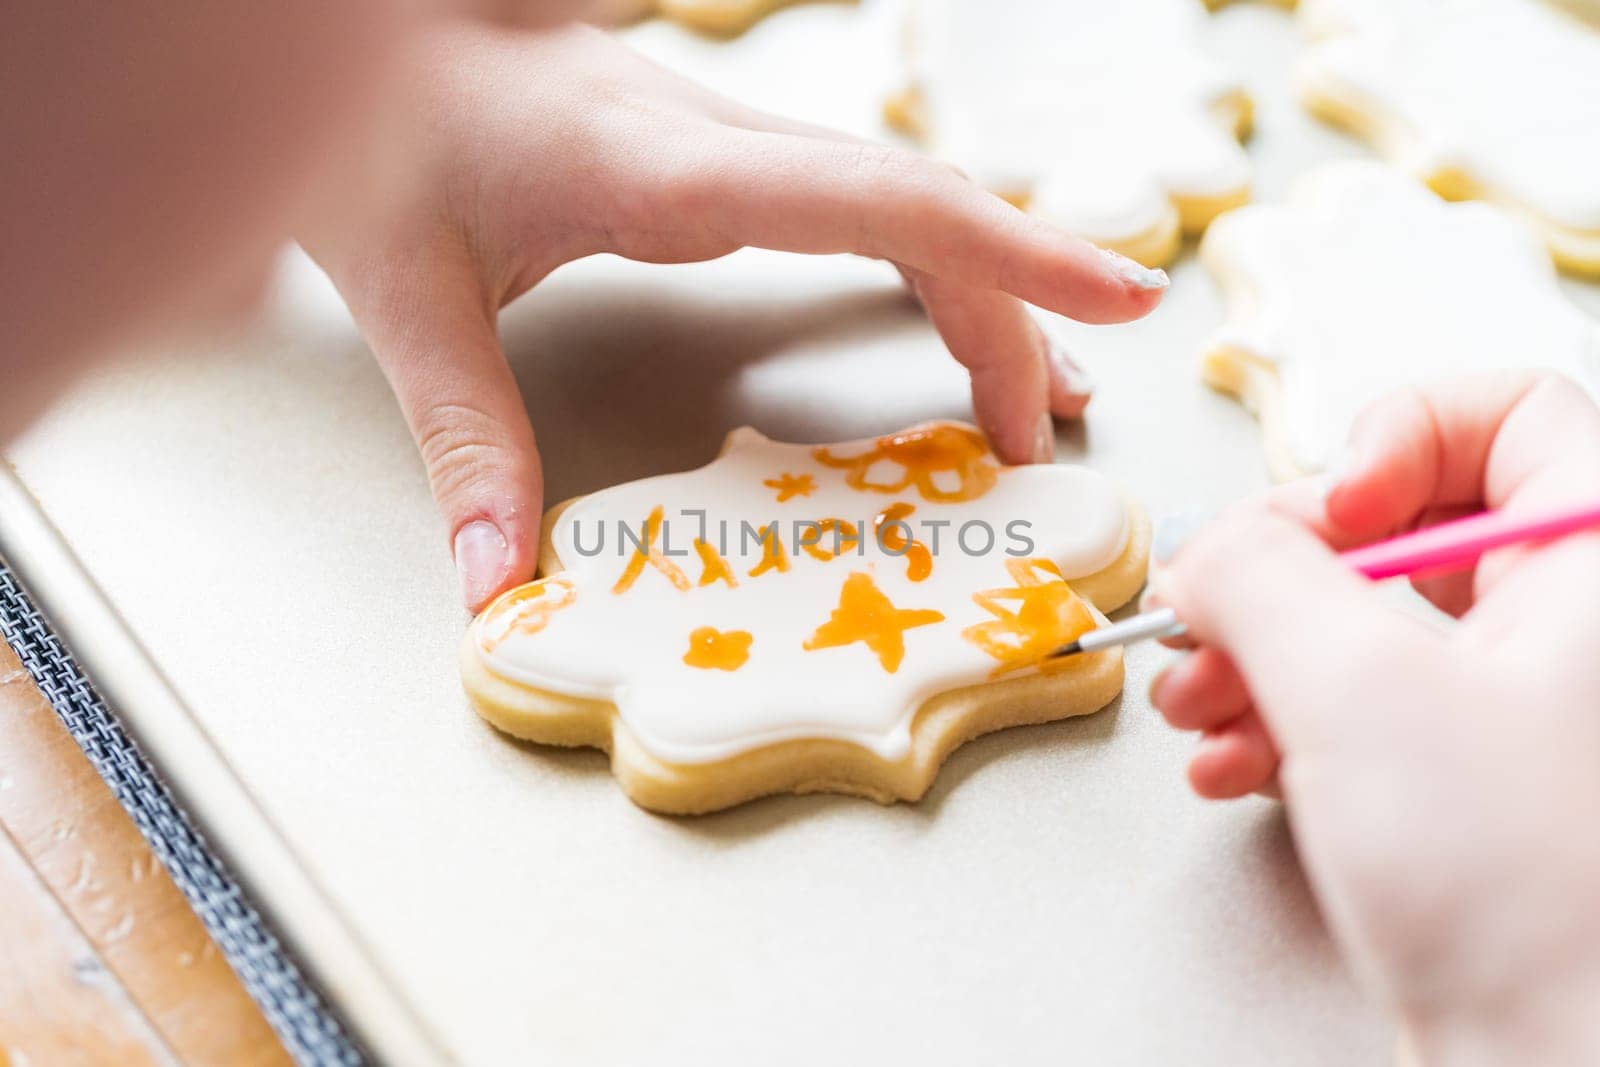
1302 502
1234 760
1465 442
734 113
1451 591
1003 349
436 341
1201 691
1514 440
519 14
1420 446
1152 600
1303 628
1070 384
803 194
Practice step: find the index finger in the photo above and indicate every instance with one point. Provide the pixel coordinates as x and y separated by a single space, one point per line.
804 194
1510 440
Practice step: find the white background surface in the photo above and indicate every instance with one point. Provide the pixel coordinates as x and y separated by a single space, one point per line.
259 516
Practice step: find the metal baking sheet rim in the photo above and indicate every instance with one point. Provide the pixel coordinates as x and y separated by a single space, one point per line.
148 707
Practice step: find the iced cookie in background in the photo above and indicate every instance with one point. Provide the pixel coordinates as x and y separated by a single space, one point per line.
718 18
1365 281
797 618
1587 9
1107 118
1494 100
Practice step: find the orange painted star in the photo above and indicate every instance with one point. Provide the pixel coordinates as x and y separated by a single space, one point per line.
790 486
864 614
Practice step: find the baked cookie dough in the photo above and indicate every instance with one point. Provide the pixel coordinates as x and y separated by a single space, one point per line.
794 619
1107 118
717 18
1364 282
1494 100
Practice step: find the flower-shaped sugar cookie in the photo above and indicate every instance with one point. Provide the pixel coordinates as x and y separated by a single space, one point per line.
1363 282
1108 118
1493 100
792 618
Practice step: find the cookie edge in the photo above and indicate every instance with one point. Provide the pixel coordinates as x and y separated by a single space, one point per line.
940 725
1575 251
1187 216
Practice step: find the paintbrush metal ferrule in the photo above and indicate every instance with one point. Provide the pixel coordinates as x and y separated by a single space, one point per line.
1162 622
1432 549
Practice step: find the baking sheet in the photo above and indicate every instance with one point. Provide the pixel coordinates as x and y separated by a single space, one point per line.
257 515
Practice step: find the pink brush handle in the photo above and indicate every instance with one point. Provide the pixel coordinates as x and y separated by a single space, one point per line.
1455 544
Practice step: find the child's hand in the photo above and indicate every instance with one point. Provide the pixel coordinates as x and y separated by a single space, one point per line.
1444 786
563 144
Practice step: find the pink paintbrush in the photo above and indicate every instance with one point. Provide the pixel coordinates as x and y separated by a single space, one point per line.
1447 546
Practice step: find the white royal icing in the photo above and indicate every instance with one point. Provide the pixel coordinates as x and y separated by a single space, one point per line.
1505 91
1101 111
628 648
1366 281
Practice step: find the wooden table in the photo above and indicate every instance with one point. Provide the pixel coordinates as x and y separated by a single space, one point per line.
101 958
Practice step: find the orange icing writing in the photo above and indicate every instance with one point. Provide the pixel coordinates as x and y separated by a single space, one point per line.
526 609
649 553
790 486
830 538
921 454
864 614
713 568
919 561
711 649
1048 615
773 556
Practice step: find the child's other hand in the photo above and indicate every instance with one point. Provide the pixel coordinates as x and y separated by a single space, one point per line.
1443 785
553 146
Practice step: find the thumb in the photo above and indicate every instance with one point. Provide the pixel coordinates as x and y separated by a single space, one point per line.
437 344
1319 651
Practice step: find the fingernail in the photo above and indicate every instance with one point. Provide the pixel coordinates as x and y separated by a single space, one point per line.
1136 274
1329 477
483 559
1157 684
1044 440
1153 599
1077 379
1173 531
1334 474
